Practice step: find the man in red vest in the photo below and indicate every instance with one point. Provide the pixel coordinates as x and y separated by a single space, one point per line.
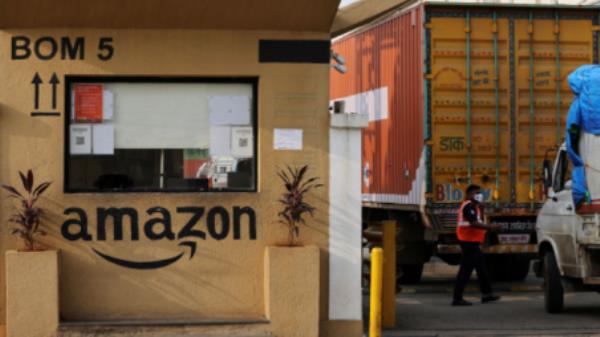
470 230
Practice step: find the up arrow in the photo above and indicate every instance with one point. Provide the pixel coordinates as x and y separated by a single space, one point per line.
54 81
36 82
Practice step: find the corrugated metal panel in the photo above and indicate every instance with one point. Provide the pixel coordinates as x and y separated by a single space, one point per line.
529 69
384 79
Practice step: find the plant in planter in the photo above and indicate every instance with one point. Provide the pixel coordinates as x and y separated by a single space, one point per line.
297 185
26 218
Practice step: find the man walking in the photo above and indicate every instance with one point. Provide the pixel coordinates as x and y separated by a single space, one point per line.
470 231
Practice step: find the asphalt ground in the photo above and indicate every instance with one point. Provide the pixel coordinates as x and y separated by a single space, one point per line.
424 309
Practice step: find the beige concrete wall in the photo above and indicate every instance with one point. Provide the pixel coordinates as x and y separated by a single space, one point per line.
32 293
292 286
225 278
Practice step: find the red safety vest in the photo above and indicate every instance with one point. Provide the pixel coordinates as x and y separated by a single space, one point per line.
464 231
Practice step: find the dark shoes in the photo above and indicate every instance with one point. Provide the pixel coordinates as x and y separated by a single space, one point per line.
489 298
461 303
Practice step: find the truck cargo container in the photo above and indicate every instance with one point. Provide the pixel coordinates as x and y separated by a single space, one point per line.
460 94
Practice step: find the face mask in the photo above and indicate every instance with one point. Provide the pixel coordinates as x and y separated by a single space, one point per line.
478 197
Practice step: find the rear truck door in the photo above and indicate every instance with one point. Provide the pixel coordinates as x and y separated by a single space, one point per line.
497 101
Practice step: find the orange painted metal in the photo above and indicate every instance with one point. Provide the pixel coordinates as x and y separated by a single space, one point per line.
386 62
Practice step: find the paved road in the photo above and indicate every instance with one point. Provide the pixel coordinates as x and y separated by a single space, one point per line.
424 310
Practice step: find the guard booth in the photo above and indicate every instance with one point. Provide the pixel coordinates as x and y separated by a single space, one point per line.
161 125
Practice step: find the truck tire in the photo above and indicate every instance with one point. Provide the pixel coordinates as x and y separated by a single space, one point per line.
410 273
553 289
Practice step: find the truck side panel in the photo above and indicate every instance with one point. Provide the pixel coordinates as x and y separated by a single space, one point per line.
385 80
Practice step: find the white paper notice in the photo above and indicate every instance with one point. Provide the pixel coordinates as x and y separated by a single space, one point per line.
103 136
81 139
287 139
241 142
220 141
229 110
108 105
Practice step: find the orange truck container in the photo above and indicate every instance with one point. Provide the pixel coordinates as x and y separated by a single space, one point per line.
460 94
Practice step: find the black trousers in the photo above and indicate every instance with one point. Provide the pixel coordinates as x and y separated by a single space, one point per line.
472 258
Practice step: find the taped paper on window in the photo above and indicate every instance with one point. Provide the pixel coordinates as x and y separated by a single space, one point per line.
81 139
103 136
108 105
241 142
229 110
220 141
88 102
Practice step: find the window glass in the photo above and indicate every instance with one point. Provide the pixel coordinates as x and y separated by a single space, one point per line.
160 136
562 172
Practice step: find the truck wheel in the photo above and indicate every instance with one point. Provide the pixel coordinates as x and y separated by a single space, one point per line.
553 289
410 273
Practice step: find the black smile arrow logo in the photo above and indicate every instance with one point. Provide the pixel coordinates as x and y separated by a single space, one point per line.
155 264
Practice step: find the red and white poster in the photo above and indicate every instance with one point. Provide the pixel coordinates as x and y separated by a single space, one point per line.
88 102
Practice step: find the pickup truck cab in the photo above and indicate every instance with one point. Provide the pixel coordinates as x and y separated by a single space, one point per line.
568 237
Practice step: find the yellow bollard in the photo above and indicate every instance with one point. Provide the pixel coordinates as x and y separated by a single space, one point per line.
388 301
376 282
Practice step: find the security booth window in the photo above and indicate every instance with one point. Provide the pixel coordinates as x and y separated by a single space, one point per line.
158 134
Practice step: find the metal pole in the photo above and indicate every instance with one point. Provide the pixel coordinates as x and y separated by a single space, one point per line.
468 51
376 282
497 97
558 77
388 316
531 112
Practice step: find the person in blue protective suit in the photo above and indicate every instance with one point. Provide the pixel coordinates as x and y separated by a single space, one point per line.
584 116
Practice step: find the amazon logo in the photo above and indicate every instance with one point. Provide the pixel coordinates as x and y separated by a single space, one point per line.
220 224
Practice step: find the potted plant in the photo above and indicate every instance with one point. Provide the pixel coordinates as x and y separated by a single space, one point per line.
297 185
31 273
27 214
292 271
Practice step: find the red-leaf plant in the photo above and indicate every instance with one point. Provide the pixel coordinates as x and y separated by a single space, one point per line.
297 186
27 215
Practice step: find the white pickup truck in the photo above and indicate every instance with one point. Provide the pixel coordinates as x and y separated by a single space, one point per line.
569 237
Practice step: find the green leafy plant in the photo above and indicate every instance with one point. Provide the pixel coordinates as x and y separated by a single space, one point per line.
297 185
26 218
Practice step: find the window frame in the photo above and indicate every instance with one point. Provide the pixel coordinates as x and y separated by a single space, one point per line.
75 79
560 171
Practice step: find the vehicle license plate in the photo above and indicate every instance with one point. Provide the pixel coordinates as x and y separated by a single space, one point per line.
513 238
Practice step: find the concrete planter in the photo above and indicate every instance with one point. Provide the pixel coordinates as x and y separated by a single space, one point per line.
292 290
31 293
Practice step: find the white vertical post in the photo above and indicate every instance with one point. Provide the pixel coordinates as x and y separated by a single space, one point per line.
345 216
